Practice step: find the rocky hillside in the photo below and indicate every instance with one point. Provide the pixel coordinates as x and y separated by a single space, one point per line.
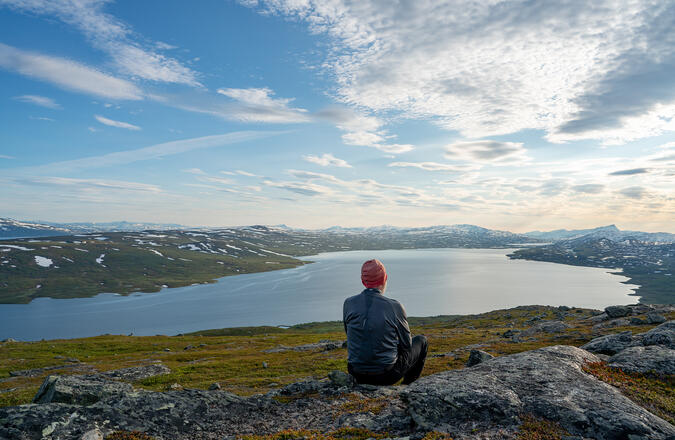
510 374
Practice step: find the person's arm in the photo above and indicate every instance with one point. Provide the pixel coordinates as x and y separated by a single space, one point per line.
404 337
344 316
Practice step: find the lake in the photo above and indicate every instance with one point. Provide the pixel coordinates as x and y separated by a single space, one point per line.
427 282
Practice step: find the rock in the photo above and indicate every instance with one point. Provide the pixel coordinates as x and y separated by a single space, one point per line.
511 334
214 386
612 344
664 334
617 311
79 390
598 318
341 379
94 434
620 322
201 345
73 360
323 345
564 308
478 356
34 372
637 321
188 347
174 387
167 349
654 358
546 327
134 374
264 364
8 340
548 383
655 318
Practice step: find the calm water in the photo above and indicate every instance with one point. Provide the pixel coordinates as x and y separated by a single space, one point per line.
427 282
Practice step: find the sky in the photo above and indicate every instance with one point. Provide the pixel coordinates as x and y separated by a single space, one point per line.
512 115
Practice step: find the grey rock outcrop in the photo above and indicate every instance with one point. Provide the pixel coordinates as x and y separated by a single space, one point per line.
617 311
652 359
79 390
546 327
133 374
477 357
548 383
612 344
323 345
664 335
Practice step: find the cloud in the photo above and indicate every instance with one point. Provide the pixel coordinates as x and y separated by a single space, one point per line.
118 124
42 101
432 166
589 188
305 189
327 160
195 171
4 156
67 74
487 151
41 118
574 69
634 192
147 153
259 105
362 130
630 172
110 35
246 173
91 183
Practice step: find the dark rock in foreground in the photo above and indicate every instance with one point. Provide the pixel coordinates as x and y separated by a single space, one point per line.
488 398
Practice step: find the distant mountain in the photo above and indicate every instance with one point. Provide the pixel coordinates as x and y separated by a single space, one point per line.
10 228
610 232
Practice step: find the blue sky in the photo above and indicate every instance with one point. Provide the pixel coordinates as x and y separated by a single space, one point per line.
510 115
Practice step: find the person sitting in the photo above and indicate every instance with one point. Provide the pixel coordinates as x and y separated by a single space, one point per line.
379 345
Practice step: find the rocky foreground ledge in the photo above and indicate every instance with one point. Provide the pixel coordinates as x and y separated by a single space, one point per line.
487 400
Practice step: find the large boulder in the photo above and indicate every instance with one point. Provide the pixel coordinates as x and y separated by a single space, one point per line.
612 344
79 390
548 383
477 357
652 359
546 327
617 311
664 335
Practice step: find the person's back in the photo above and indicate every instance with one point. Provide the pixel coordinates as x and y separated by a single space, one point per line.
380 348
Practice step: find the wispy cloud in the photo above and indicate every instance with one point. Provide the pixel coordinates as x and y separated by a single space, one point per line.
117 124
42 101
109 34
327 160
487 151
362 130
260 105
195 171
147 153
634 192
4 156
433 166
630 172
90 183
67 74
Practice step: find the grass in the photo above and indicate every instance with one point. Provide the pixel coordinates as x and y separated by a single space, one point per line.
534 428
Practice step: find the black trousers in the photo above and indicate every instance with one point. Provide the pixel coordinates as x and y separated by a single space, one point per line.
418 354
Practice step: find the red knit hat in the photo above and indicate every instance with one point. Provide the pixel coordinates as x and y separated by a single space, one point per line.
373 274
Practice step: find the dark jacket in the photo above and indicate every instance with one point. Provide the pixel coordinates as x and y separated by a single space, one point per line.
377 332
